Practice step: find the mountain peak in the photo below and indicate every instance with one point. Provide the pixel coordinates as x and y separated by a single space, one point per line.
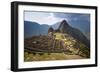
50 29
75 33
63 26
64 22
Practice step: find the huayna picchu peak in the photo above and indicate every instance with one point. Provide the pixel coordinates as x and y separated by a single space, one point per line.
75 33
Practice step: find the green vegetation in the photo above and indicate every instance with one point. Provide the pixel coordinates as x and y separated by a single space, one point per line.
51 56
85 52
58 47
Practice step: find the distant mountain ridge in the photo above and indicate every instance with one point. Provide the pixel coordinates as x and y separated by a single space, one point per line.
34 29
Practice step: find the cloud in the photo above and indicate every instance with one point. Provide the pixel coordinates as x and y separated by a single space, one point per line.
73 16
41 17
51 19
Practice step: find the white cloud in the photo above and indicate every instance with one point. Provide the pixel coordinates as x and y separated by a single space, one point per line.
50 19
42 17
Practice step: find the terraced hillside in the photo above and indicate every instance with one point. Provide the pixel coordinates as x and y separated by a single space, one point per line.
59 46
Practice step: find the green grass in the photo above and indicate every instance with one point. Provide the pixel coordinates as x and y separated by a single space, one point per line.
28 57
59 36
43 56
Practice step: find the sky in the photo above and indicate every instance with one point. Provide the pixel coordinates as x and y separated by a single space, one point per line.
41 17
51 18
